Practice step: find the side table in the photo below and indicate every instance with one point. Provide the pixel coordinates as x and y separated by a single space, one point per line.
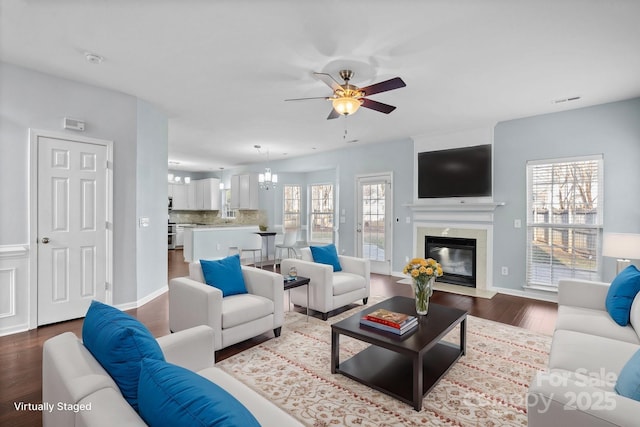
294 283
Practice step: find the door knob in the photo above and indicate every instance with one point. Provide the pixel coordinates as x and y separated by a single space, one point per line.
45 240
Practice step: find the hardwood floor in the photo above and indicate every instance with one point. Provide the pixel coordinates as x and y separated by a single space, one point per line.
21 354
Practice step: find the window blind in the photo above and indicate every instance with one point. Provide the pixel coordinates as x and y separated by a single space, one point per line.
564 220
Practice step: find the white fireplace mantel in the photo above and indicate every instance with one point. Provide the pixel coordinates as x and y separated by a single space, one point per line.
455 207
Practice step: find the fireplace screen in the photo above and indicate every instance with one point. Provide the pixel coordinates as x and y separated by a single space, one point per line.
457 256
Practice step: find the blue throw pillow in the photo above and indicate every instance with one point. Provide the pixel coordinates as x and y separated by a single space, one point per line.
224 274
628 384
119 342
621 293
326 255
174 396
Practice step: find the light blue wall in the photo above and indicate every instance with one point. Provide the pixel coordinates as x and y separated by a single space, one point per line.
152 152
609 129
345 165
30 99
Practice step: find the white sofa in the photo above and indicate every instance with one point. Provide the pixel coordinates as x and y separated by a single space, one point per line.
588 351
71 376
328 289
234 318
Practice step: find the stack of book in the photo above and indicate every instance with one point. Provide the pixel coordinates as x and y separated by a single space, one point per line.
389 321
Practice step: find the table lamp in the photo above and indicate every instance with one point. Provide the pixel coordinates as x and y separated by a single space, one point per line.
623 246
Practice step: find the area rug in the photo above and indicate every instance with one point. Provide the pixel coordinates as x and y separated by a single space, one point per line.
486 387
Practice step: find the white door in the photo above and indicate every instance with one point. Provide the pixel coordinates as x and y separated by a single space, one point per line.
71 227
373 228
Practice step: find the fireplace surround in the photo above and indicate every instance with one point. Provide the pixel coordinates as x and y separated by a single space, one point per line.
456 255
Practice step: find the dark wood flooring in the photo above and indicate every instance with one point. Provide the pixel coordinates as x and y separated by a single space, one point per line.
21 354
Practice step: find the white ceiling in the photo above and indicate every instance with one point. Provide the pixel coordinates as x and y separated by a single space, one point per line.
221 70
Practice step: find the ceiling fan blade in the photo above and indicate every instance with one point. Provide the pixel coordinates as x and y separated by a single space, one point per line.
378 106
304 99
395 83
328 80
333 114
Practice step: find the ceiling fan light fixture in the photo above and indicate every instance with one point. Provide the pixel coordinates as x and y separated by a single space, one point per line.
346 105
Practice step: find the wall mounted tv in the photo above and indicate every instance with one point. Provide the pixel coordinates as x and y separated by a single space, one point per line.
457 172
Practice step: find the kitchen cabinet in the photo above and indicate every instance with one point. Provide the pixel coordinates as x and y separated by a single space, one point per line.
198 195
179 194
208 194
244 191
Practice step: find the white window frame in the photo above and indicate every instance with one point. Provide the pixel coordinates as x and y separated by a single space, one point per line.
311 237
541 221
291 213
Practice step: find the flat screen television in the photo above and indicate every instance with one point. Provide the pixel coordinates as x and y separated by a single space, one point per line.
457 172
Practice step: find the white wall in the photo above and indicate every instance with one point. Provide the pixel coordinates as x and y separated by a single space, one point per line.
30 99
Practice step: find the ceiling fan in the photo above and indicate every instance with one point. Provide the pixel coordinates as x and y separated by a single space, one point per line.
347 98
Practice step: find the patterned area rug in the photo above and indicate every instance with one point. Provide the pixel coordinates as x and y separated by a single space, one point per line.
486 387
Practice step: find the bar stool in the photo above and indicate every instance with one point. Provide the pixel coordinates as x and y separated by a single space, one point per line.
254 245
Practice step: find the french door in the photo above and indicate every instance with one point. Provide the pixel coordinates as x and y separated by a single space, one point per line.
374 221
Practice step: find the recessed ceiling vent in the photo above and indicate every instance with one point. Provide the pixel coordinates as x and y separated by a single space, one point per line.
563 100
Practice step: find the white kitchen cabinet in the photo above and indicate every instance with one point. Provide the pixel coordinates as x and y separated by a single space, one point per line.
208 194
198 195
244 191
179 194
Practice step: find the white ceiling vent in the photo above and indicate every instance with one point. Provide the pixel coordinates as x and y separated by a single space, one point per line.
73 124
562 100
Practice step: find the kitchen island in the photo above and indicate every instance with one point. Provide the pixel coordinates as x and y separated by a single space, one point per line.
214 242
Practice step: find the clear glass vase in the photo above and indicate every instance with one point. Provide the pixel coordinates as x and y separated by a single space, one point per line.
422 289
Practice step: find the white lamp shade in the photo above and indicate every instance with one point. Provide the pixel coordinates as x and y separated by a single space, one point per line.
621 245
187 179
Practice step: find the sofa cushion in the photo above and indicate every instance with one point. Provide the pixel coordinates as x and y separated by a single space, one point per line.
347 282
594 322
628 384
174 396
224 274
240 309
590 354
326 255
119 342
622 292
634 316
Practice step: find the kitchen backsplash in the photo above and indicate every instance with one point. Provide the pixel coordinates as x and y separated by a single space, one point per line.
213 218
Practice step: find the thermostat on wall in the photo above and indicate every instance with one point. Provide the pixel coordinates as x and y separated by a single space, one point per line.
73 124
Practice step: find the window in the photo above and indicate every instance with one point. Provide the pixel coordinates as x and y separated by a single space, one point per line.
564 220
291 196
227 211
321 230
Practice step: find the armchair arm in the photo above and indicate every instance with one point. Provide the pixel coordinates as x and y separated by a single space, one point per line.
321 281
582 293
193 303
269 285
191 348
359 266
558 398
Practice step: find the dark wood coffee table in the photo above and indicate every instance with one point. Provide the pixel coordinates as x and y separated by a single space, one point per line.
407 366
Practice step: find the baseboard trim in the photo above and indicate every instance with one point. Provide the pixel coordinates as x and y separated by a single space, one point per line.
529 293
142 301
14 329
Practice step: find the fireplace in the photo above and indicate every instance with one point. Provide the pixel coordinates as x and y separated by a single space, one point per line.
457 257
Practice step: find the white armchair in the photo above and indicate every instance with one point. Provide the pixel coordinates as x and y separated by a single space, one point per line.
233 318
329 290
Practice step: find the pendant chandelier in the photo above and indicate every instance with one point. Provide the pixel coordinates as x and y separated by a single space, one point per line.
267 179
